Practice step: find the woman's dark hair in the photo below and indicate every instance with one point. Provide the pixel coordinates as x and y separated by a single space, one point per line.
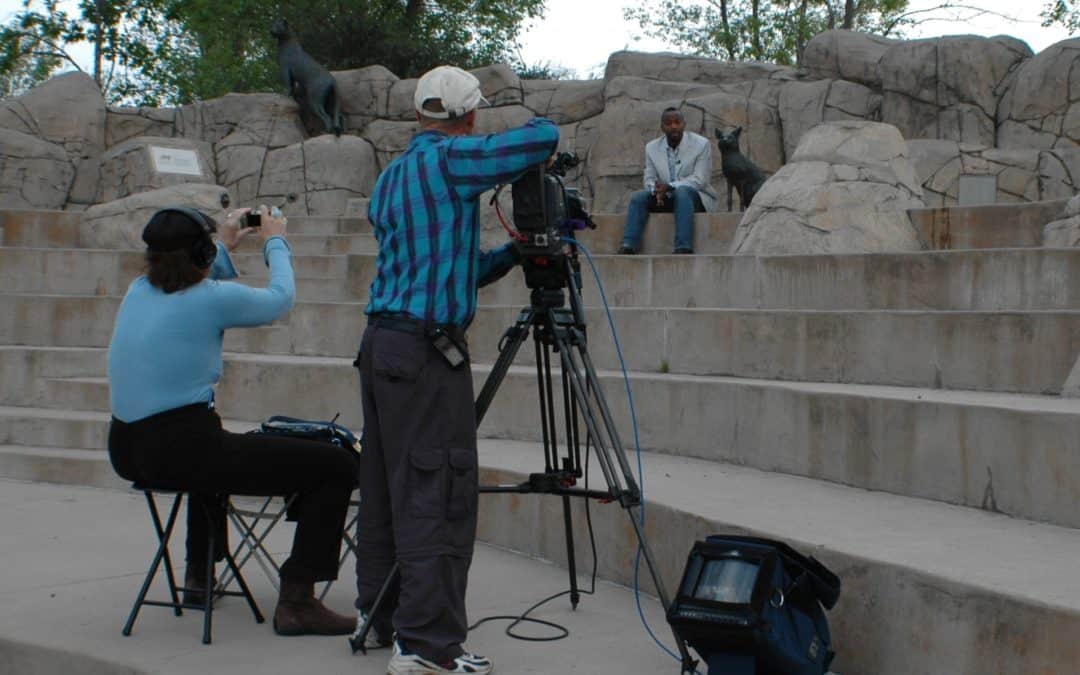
172 271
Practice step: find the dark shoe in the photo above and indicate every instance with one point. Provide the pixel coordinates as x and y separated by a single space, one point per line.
626 250
683 250
195 598
299 613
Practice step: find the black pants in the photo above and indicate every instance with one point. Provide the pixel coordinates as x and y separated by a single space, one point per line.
187 449
418 488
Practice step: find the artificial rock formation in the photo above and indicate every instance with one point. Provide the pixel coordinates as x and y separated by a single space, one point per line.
119 223
1064 233
847 189
969 106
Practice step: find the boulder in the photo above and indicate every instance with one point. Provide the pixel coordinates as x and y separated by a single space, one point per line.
389 138
847 189
1041 107
804 105
119 224
937 168
1059 173
681 68
948 87
124 123
628 89
364 94
128 168
494 120
1064 233
34 174
69 111
336 170
846 55
273 119
500 85
324 172
564 101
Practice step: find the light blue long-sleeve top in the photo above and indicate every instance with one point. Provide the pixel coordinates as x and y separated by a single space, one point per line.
166 347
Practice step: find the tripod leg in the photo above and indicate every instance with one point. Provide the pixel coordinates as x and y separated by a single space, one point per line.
515 335
358 640
646 552
571 564
595 411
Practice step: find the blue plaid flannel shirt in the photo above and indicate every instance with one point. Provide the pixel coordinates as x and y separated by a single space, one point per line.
425 212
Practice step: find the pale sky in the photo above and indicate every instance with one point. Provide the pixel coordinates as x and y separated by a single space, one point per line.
580 34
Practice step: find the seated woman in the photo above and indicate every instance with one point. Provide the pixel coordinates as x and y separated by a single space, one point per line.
164 360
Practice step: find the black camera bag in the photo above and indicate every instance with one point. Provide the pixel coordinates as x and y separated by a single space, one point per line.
312 430
782 630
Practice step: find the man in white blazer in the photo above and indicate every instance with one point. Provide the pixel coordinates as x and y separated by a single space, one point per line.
678 166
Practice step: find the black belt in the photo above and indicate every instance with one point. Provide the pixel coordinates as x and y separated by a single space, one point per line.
406 324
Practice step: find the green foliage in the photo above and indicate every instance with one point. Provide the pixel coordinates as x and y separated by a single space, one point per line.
1062 12
772 31
29 46
176 51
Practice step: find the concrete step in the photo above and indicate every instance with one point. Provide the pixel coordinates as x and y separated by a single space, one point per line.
986 226
104 272
983 280
327 225
1028 352
1012 453
713 233
19 227
926 587
317 244
958 227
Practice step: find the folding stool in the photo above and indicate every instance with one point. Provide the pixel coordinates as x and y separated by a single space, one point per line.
252 537
163 534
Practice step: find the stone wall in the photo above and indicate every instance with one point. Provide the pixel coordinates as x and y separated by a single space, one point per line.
967 105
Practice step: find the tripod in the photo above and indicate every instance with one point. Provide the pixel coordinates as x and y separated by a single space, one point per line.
559 329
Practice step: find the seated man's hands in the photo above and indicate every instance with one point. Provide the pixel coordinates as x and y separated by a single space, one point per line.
230 234
660 192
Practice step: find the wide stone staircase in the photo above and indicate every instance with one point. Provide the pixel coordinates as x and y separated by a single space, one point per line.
898 416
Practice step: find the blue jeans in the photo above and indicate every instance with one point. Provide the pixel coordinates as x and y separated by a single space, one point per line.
684 203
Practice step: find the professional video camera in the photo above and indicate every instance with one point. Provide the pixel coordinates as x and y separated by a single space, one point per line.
545 213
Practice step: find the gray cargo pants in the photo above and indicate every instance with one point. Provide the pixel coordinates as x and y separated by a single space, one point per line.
418 488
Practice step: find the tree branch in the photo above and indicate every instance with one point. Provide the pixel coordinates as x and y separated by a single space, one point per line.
57 51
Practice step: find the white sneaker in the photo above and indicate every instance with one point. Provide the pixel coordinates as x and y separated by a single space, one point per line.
404 662
373 640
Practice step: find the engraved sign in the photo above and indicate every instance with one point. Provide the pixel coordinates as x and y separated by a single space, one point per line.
175 160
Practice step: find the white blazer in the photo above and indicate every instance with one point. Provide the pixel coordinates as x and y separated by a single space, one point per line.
694 168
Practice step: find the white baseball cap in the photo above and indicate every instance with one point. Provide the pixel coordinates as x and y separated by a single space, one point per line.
457 90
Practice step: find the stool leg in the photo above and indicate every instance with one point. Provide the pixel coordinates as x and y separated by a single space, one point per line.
208 596
244 587
169 576
163 545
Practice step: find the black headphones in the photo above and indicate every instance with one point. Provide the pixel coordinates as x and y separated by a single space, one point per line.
203 250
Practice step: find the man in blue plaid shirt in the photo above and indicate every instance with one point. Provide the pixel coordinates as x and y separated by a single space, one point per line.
418 474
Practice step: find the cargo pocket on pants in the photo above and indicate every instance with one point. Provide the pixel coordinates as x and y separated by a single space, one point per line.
427 478
463 483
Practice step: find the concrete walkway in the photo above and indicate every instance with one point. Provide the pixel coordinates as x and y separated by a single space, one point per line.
72 559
